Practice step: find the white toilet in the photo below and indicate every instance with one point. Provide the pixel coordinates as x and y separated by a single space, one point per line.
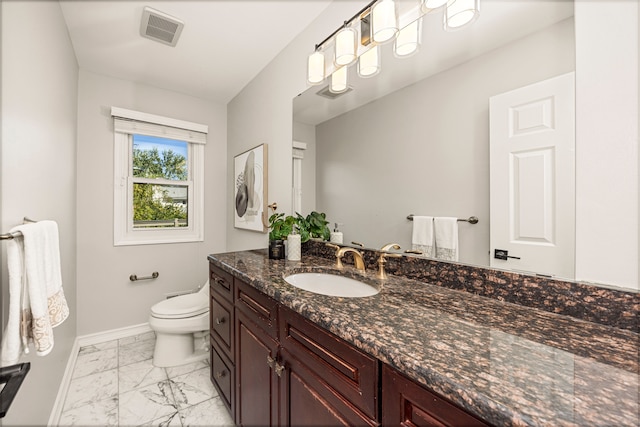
181 325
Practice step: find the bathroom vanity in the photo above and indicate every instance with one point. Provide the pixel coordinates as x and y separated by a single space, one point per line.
414 353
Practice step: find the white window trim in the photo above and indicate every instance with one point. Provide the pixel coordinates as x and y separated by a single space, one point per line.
124 233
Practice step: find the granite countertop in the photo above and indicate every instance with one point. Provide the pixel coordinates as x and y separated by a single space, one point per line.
507 364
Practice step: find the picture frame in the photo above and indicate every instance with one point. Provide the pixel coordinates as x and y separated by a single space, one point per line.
250 189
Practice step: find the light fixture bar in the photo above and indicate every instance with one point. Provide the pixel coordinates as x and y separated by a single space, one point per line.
347 22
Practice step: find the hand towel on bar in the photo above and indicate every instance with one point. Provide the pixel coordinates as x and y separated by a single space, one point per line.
446 231
36 298
422 238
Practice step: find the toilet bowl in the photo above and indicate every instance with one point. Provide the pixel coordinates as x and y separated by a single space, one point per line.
181 325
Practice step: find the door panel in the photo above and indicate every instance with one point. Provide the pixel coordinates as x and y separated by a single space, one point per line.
532 178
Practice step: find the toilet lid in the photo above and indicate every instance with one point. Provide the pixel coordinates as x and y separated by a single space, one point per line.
182 306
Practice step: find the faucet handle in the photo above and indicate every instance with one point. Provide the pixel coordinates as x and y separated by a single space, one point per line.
390 246
332 246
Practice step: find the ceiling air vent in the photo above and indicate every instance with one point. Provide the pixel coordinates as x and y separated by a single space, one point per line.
332 95
160 27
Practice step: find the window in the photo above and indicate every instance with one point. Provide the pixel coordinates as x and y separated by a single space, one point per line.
159 174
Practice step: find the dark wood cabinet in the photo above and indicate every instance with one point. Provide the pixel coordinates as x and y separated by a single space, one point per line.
273 367
407 403
257 383
325 381
222 337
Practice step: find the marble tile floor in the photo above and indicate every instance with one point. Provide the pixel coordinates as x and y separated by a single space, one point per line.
115 384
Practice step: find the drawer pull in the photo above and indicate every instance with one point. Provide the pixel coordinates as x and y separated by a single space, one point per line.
219 281
279 369
270 361
221 374
220 320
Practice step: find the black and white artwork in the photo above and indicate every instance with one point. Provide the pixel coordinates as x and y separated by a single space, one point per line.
250 183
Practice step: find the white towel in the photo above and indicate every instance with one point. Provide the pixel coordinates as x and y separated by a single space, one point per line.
36 298
422 238
446 231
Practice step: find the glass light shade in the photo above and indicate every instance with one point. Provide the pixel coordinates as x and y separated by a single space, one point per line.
408 40
369 63
346 46
460 13
384 21
339 80
432 4
315 68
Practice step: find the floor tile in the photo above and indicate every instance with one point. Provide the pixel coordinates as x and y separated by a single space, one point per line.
211 412
95 361
98 347
91 388
192 388
136 351
115 384
137 338
138 375
171 420
100 413
185 369
146 404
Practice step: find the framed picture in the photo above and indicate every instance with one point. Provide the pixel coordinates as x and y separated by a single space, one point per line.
250 189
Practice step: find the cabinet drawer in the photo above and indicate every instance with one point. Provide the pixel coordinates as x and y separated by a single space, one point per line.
350 372
221 318
222 376
221 282
405 402
258 307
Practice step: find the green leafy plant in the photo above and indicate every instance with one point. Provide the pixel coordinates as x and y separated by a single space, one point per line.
280 226
313 225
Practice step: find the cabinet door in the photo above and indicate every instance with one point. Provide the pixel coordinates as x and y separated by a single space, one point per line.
407 403
307 400
326 381
256 381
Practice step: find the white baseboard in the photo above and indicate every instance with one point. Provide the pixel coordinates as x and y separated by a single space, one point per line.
114 334
83 341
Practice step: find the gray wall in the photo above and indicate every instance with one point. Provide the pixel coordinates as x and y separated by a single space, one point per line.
38 170
106 298
262 113
425 148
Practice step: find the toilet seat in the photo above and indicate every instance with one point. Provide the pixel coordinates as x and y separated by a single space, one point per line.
181 307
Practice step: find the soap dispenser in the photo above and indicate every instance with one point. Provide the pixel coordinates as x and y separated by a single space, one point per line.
336 235
294 246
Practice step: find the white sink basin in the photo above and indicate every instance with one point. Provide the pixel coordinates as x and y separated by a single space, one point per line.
331 284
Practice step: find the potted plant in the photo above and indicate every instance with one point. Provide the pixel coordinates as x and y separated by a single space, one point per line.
313 226
280 226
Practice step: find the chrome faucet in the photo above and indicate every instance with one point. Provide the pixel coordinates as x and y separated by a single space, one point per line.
357 256
382 260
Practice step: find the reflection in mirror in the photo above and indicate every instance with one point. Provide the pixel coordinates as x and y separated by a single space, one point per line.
414 139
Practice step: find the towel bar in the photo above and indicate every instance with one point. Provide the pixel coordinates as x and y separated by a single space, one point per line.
471 219
154 275
9 236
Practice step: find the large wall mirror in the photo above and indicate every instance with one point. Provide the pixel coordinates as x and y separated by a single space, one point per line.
415 139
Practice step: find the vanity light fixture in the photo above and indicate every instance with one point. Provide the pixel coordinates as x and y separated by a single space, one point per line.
459 13
384 21
346 46
315 68
379 22
408 39
432 4
369 63
339 80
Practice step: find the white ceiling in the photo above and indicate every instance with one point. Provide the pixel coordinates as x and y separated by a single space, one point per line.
223 46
